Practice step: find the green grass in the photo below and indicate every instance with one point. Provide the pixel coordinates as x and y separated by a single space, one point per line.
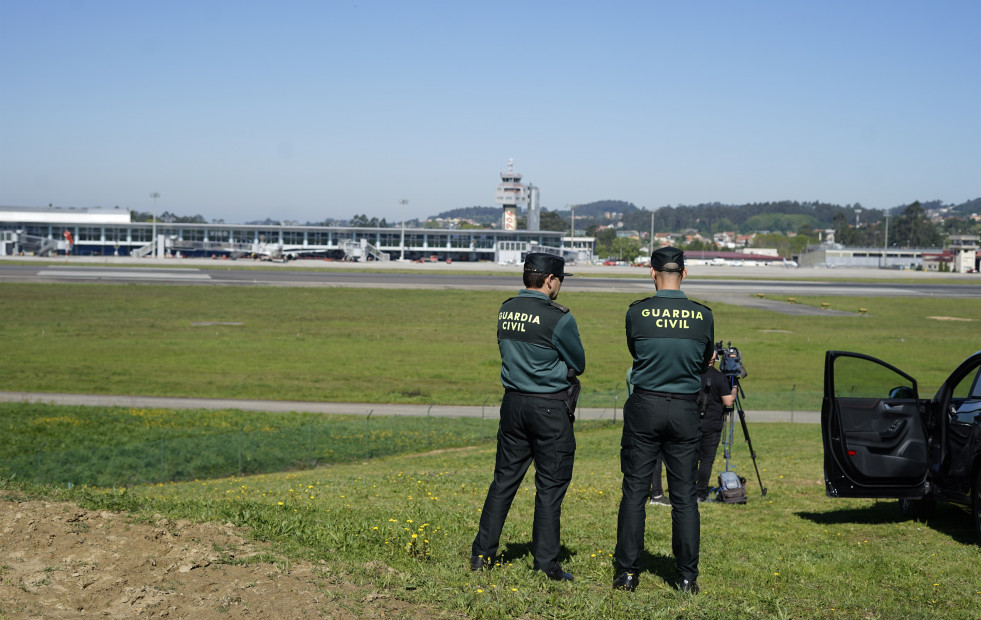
423 347
793 554
118 446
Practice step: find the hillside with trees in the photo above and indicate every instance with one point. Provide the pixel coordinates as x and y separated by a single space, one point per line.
788 226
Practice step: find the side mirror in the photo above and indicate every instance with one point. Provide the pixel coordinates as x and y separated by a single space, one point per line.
903 391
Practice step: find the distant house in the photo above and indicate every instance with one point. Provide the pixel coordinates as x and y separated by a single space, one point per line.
938 261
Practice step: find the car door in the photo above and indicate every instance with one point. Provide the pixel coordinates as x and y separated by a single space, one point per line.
957 405
875 439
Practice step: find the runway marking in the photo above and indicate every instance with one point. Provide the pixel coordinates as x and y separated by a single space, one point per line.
105 274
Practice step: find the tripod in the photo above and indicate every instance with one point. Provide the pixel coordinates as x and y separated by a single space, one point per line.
730 422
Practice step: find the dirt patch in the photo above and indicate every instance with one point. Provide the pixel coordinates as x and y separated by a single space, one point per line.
948 318
61 561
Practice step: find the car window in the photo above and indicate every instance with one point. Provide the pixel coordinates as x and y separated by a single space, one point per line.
968 387
862 378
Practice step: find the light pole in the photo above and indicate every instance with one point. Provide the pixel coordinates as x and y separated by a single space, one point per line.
885 243
403 202
651 244
155 195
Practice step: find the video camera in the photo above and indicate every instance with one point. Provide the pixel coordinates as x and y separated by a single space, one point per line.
731 365
730 361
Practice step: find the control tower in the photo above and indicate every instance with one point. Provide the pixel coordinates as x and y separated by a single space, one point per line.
510 193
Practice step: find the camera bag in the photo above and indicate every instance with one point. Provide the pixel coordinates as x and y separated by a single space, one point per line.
732 488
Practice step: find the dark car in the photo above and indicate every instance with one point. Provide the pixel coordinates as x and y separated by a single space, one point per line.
882 440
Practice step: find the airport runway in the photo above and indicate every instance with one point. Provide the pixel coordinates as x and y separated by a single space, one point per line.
765 288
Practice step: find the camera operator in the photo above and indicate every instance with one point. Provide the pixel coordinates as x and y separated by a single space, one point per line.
720 398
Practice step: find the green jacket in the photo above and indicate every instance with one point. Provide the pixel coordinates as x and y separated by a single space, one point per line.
671 339
539 344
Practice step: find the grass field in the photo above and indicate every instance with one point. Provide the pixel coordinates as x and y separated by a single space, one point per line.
423 347
125 446
403 525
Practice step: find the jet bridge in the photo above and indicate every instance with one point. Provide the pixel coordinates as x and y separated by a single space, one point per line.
234 250
361 251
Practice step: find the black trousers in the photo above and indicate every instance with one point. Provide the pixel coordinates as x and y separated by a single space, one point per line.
658 427
707 449
531 429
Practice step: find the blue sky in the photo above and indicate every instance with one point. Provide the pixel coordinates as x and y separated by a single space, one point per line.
306 110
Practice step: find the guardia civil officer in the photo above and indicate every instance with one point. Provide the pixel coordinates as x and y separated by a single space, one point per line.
541 358
670 338
719 398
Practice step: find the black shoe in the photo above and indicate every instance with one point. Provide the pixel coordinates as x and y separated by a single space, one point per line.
479 562
688 586
701 499
625 581
557 574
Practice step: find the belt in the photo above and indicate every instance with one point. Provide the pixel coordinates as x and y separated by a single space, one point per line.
551 396
691 397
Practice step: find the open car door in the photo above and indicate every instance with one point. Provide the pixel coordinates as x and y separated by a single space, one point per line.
875 439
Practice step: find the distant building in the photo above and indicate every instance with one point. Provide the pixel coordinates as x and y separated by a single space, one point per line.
109 232
837 255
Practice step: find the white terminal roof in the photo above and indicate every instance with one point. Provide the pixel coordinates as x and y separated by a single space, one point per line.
65 215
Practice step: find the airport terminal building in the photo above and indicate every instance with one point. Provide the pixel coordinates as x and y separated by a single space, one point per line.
45 231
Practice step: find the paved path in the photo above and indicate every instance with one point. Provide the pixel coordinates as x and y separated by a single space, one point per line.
286 406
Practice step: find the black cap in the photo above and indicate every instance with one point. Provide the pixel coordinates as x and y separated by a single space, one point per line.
546 263
668 259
